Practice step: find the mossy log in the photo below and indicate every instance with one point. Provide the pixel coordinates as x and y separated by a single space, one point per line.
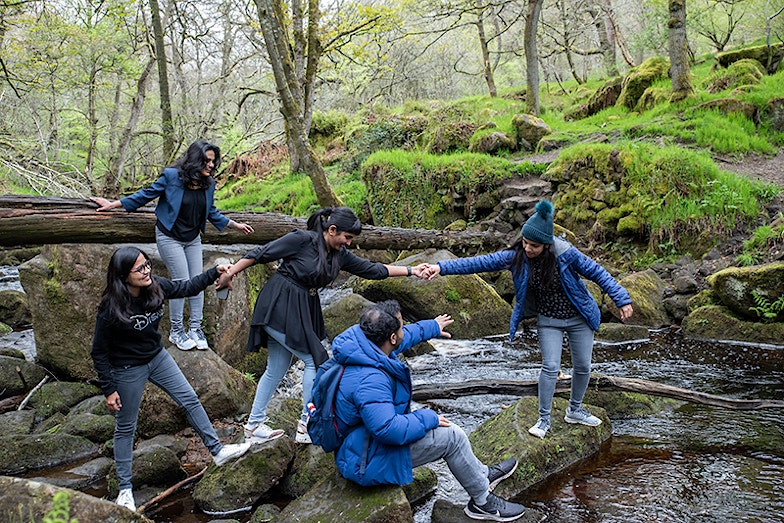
37 220
529 388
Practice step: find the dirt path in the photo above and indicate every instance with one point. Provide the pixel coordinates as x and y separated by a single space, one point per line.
769 169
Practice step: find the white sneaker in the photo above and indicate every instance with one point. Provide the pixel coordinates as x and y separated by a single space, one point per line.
198 337
302 433
181 339
229 452
261 433
540 428
581 416
125 499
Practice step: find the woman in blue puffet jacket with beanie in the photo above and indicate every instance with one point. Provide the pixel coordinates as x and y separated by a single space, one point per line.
546 271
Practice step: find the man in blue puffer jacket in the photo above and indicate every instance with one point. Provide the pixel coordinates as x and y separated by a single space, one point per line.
385 438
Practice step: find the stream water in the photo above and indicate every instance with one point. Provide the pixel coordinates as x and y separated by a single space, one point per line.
687 463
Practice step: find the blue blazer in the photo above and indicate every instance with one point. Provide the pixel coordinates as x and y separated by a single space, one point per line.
373 405
572 264
169 190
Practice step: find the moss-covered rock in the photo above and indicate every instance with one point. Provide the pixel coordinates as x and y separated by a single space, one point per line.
491 141
14 310
530 128
13 382
703 298
506 435
90 426
425 483
343 313
647 292
730 105
38 500
638 79
20 454
311 465
60 396
717 322
243 482
17 422
620 332
476 308
452 136
444 511
773 113
652 97
769 56
627 405
746 71
604 97
755 292
153 466
336 500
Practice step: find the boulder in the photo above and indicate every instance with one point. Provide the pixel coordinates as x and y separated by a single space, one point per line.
755 292
730 105
774 113
39 499
81 477
646 289
14 382
474 305
310 466
769 56
60 396
454 136
20 454
506 435
677 306
18 344
492 142
621 333
153 466
604 97
530 128
343 313
444 511
96 428
424 485
13 308
337 500
639 78
17 422
93 405
240 484
717 322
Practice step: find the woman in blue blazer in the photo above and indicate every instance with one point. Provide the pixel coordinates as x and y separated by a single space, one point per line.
547 280
185 193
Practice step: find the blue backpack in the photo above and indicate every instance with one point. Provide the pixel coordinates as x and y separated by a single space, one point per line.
322 423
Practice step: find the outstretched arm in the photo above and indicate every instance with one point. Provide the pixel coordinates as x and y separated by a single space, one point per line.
105 205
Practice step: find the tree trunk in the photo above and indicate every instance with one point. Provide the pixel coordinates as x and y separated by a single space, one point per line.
529 388
606 41
167 122
614 34
30 220
679 52
487 67
531 57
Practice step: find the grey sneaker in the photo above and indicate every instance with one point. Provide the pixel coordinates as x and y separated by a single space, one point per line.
540 428
229 452
197 335
181 339
495 509
581 416
125 499
497 473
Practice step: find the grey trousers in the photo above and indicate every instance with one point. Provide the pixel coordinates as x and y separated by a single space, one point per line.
451 444
184 261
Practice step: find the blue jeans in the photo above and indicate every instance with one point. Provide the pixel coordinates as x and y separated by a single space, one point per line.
451 444
551 332
184 261
279 358
163 372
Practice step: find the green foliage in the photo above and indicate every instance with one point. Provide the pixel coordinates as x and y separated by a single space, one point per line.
765 308
764 238
61 511
742 72
327 126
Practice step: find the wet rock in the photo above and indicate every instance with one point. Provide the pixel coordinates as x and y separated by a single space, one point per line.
38 499
336 500
717 322
264 513
620 332
177 446
646 289
13 308
310 466
424 485
93 405
447 512
96 428
23 342
752 292
241 483
50 424
13 382
677 306
19 454
17 422
60 396
627 405
506 435
152 466
476 308
81 477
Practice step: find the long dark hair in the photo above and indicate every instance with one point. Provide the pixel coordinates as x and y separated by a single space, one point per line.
549 262
193 162
344 220
116 297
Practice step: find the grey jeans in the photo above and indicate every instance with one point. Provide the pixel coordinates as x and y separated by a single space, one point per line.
163 372
451 444
184 261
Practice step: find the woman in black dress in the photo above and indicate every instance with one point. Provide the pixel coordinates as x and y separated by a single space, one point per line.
287 318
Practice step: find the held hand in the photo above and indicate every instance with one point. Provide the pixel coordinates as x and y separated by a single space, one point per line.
224 280
103 204
626 312
419 270
443 321
430 271
113 401
244 228
443 422
223 269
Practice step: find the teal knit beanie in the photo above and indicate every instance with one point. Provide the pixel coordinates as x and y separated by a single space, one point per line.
539 227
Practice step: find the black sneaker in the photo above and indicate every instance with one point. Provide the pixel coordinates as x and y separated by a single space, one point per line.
495 509
497 473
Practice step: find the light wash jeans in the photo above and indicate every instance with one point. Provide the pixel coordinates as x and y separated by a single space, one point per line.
551 332
163 372
279 358
451 444
184 261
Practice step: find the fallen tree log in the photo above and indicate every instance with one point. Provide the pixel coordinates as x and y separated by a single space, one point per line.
432 391
36 220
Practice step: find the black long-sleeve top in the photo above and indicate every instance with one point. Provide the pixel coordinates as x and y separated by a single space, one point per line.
117 344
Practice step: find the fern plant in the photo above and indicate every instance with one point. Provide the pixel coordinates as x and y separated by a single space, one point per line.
765 308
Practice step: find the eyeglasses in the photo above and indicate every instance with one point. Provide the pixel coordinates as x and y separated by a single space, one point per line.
144 267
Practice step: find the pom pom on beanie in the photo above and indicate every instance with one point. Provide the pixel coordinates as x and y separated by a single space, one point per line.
539 227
